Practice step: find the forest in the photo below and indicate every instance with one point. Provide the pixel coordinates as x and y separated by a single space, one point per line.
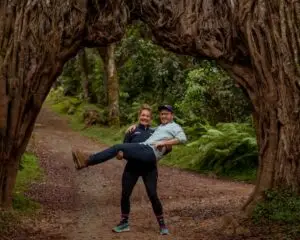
78 72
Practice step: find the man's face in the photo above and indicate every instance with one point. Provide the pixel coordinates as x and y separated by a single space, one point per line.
165 116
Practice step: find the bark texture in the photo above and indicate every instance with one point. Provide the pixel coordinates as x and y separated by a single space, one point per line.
83 62
258 43
111 83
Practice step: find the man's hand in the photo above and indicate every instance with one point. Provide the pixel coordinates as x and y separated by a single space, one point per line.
131 128
120 155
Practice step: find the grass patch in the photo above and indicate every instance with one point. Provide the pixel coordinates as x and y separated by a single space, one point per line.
281 208
106 135
183 158
29 172
73 109
22 205
8 220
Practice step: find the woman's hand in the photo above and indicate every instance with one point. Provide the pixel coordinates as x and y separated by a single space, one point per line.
169 148
160 145
131 128
167 144
120 155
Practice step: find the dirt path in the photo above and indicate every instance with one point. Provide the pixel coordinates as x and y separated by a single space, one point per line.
86 203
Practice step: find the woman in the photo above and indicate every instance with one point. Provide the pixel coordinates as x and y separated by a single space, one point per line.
135 169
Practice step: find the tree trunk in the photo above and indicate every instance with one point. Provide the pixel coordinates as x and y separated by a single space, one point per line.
8 173
278 129
103 54
274 47
112 88
83 62
108 56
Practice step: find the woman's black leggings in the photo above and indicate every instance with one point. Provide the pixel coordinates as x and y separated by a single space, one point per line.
149 174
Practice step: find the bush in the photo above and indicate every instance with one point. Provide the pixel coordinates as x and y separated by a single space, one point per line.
22 205
212 96
282 206
28 173
280 209
229 149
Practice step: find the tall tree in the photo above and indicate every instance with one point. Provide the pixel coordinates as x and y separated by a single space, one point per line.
111 83
36 39
258 43
83 63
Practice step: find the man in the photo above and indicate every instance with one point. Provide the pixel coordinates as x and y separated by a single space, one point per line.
145 154
168 133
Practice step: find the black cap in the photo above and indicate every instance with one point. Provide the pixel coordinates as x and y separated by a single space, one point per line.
166 107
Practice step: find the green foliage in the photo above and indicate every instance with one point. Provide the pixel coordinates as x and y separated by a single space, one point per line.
212 96
200 91
229 149
74 106
29 173
8 220
22 205
107 135
203 96
70 79
280 207
147 73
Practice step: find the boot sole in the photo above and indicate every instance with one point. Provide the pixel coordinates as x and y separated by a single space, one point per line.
124 230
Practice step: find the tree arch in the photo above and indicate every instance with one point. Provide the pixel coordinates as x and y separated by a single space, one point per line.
256 41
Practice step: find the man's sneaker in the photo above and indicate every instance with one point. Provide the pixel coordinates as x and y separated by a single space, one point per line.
80 159
121 227
164 230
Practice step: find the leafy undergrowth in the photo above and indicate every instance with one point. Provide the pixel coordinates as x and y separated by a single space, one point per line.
227 150
23 207
74 110
281 212
29 173
107 135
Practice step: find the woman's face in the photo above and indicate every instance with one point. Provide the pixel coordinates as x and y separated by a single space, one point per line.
145 117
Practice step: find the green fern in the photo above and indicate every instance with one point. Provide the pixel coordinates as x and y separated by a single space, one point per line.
228 149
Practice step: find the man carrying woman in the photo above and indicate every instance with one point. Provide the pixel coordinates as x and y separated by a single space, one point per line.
142 148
